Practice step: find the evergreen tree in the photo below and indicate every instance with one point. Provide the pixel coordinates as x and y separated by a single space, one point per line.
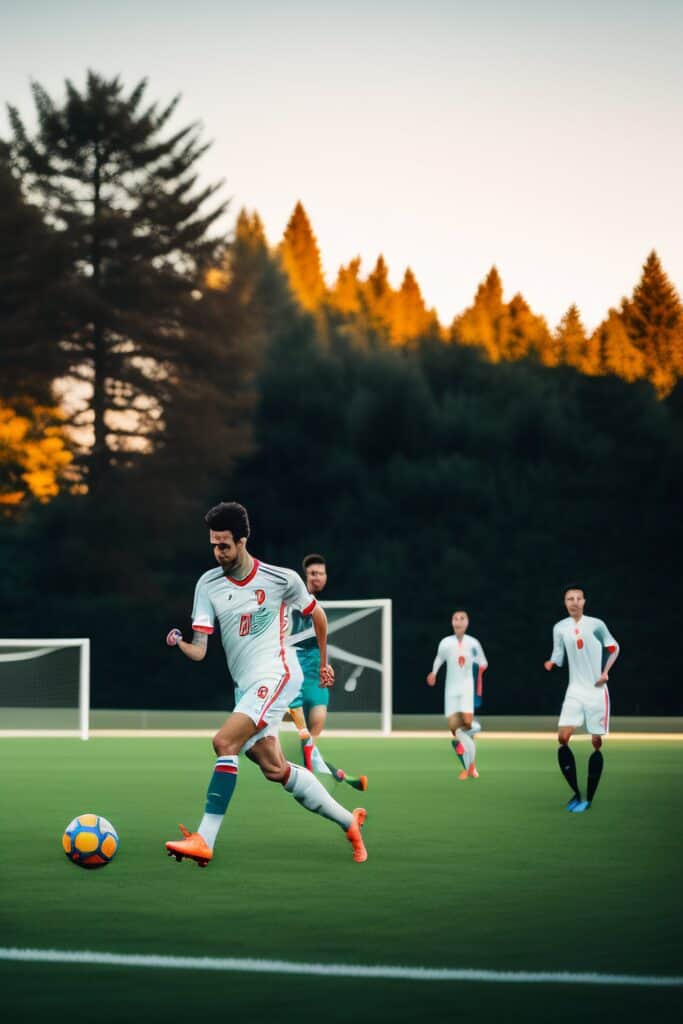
615 351
411 318
571 342
521 331
124 198
654 322
346 293
481 323
379 298
300 257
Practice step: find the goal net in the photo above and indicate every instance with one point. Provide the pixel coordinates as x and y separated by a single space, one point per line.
359 647
45 687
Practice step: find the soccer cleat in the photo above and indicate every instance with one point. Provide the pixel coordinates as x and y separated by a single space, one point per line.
581 806
571 804
360 783
353 834
472 772
192 845
464 774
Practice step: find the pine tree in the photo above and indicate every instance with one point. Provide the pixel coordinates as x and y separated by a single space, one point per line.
124 198
482 322
300 257
617 353
653 318
346 293
380 298
571 342
411 318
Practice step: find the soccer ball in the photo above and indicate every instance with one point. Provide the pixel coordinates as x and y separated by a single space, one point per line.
90 841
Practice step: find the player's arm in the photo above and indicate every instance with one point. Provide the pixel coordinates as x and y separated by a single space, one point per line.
196 650
320 627
611 647
438 662
557 657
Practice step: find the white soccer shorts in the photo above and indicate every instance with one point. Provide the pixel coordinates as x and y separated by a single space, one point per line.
459 700
265 703
593 711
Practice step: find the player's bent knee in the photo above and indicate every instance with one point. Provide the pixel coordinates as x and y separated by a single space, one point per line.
563 738
597 742
279 773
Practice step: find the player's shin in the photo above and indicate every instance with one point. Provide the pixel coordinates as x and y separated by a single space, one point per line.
595 765
467 743
312 795
565 759
219 793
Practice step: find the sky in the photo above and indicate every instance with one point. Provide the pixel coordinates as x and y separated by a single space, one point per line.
542 136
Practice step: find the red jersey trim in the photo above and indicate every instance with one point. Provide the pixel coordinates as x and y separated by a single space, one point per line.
203 629
247 579
309 608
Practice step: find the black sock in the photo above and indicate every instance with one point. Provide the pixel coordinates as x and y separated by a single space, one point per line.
595 763
565 759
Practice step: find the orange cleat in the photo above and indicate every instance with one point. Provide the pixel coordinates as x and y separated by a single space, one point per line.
363 780
473 773
464 774
353 834
193 846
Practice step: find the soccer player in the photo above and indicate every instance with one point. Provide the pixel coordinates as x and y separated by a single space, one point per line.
591 651
465 663
248 599
309 708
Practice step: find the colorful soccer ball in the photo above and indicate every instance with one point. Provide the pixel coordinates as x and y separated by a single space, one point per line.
90 841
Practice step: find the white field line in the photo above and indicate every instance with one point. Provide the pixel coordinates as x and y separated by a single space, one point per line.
253 966
356 734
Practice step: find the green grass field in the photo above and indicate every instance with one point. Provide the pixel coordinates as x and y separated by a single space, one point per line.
487 874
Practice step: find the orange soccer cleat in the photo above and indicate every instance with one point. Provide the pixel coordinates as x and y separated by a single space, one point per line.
464 774
472 772
192 845
353 834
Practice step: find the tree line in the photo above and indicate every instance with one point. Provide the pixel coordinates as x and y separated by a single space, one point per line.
152 366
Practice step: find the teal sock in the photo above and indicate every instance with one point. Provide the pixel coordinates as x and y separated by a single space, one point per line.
222 785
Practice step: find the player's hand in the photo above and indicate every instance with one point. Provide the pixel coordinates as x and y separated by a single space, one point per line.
602 680
173 636
548 665
326 676
431 679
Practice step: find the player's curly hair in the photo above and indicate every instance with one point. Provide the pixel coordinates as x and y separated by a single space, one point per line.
229 515
313 559
573 586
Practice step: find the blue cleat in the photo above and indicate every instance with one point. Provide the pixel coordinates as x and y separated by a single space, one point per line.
573 802
580 806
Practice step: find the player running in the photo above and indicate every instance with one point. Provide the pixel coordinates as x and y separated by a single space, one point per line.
249 600
308 710
591 651
465 663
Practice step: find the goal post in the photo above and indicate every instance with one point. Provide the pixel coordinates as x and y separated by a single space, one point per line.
359 645
45 686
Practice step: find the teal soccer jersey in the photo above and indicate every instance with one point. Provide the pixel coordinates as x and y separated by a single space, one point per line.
312 694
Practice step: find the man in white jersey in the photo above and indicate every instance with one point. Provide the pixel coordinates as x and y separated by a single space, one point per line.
249 600
465 663
591 650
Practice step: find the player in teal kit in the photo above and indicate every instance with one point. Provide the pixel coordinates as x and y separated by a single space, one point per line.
309 709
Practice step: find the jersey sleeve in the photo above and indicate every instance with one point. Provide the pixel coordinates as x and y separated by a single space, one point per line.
203 612
479 656
557 657
440 657
610 647
296 595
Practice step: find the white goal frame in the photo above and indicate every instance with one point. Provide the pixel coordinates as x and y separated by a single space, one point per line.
31 648
385 607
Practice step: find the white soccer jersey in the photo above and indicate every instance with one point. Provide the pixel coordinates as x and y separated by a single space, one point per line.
252 618
584 643
459 656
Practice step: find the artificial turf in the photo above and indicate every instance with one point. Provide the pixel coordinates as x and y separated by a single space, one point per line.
490 874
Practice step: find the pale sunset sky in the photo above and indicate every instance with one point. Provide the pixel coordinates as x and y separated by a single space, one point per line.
543 136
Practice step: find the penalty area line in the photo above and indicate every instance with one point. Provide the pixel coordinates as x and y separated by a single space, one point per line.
385 972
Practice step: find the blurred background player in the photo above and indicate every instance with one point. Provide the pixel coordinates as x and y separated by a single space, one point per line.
465 663
248 599
591 651
309 709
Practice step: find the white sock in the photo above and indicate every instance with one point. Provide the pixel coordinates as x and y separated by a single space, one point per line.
209 827
318 762
468 746
474 728
311 793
